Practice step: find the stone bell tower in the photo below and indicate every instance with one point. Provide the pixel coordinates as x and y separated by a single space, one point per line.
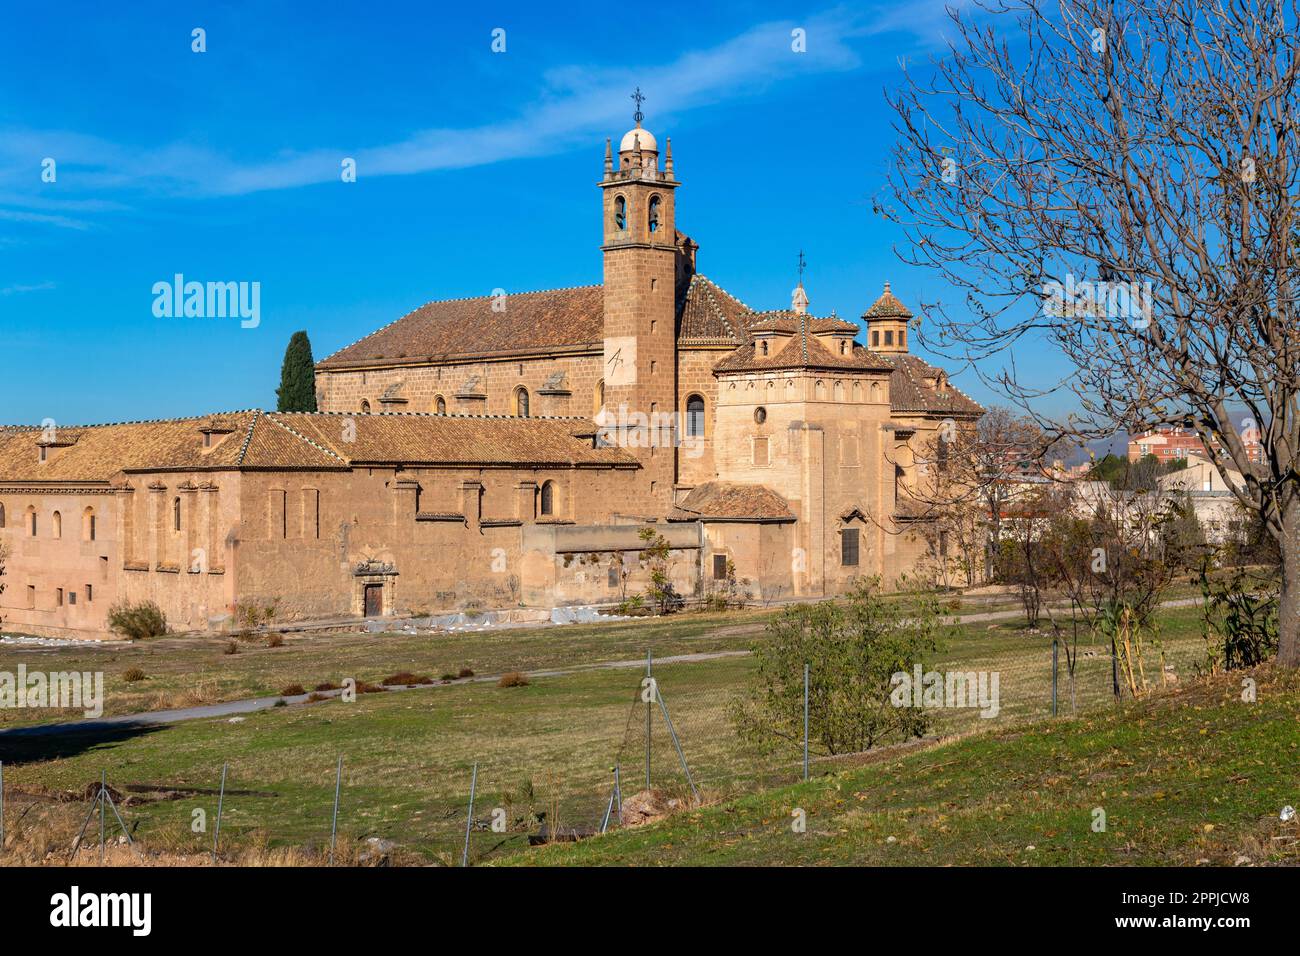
640 367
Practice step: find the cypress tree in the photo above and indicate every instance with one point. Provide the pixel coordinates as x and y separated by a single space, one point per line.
297 391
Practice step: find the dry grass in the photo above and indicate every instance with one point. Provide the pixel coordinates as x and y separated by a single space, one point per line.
48 832
200 693
513 679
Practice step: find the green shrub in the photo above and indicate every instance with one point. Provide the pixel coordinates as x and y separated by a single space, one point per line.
852 651
137 621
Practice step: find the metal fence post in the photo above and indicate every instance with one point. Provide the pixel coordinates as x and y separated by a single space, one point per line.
334 826
668 722
1055 672
469 817
103 782
805 723
649 673
221 799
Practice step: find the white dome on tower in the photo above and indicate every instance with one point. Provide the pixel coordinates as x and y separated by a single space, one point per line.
646 138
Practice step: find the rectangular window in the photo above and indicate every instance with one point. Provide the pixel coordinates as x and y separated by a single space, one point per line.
889 336
760 451
72 598
719 567
31 597
849 547
58 597
875 338
103 567
90 593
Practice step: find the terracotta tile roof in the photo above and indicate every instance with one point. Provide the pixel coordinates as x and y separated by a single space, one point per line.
101 451
801 350
787 320
258 440
888 306
732 501
709 314
910 389
531 322
425 438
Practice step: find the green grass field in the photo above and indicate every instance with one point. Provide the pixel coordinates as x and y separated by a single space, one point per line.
1189 777
180 671
547 748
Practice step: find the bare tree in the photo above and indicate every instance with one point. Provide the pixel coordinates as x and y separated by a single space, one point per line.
974 472
1117 181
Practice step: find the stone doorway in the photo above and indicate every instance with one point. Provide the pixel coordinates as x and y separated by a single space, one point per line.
374 600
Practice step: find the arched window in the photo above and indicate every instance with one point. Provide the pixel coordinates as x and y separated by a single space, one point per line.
695 416
654 214
521 402
58 525
763 346
440 405
620 213
548 498
88 524
31 521
598 398
365 407
176 514
2 514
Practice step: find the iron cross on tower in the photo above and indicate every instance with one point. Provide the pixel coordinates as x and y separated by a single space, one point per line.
639 97
802 263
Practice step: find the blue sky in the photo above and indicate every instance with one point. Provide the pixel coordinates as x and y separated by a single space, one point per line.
476 171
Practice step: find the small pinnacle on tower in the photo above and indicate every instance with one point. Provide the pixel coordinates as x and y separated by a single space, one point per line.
668 157
609 159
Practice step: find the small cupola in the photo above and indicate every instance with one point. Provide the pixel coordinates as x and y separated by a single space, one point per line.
887 322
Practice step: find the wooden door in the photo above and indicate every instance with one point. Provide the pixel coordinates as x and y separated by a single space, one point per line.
374 600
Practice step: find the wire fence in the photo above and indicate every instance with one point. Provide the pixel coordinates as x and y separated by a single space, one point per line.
660 739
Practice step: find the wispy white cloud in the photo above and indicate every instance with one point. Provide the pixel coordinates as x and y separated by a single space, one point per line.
24 289
574 104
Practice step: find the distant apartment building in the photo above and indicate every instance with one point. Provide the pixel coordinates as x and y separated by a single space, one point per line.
1166 443
1174 442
